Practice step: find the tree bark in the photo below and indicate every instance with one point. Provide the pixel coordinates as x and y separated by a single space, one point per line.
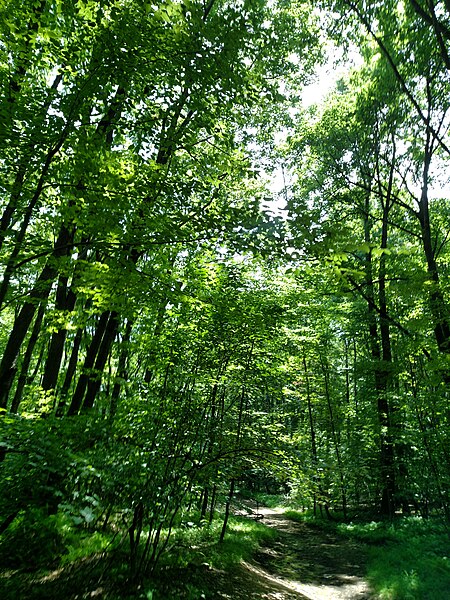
65 301
95 379
24 376
38 294
89 361
438 307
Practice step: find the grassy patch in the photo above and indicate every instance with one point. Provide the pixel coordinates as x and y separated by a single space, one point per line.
50 557
414 564
197 545
196 561
81 545
307 516
243 537
31 542
270 500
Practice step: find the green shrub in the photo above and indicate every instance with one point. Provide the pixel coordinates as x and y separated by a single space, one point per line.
32 541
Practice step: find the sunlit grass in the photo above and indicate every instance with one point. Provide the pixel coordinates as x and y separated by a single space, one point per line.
80 546
270 500
201 544
414 564
195 550
244 537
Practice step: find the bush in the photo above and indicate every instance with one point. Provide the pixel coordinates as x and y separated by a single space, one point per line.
32 541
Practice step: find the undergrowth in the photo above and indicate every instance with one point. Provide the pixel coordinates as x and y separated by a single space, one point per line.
196 552
37 545
200 544
408 558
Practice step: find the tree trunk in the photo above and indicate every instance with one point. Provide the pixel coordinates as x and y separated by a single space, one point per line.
312 432
382 360
24 376
227 511
89 361
65 301
38 294
122 373
94 380
334 436
438 306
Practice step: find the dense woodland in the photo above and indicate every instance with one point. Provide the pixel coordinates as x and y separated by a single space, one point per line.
169 337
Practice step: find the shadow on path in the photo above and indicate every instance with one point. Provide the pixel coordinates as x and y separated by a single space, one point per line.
315 564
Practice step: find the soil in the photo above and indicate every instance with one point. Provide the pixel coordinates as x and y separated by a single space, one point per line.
302 562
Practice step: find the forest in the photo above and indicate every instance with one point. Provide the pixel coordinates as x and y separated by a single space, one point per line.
225 280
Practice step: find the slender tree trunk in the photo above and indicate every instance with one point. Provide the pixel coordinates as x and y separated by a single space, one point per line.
384 373
24 376
63 241
44 282
438 305
122 372
94 380
89 361
227 511
70 372
212 504
312 433
65 301
204 506
238 442
382 367
17 187
38 294
433 463
334 435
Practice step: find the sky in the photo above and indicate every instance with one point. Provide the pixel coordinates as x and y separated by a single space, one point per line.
324 81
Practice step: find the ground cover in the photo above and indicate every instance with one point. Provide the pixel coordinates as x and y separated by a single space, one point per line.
272 553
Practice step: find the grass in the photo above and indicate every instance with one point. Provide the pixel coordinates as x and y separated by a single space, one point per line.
244 536
36 545
408 559
414 562
199 545
38 541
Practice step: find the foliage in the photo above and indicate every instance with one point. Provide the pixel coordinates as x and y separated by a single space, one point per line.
167 341
412 562
33 541
200 544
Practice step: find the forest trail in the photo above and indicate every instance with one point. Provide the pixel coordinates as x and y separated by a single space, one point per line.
304 562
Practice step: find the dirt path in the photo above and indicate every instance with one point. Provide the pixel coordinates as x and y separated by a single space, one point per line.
317 564
304 562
